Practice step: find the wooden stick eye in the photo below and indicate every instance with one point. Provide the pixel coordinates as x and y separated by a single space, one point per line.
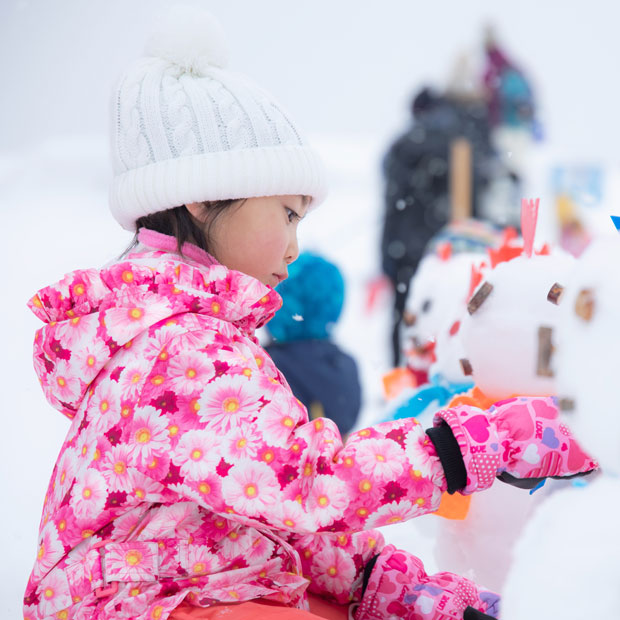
480 296
555 294
584 304
466 366
545 352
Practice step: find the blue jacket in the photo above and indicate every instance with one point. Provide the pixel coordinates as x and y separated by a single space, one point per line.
323 377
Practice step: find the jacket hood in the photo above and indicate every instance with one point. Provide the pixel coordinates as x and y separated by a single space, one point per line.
90 314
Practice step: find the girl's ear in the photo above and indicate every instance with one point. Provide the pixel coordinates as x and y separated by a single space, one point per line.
196 210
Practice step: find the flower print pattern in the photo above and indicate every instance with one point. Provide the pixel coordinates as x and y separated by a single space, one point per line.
293 517
196 455
328 498
91 358
278 427
124 323
185 434
50 549
200 560
378 458
189 372
394 512
334 569
104 409
54 595
116 468
227 404
131 380
243 443
147 435
136 562
250 488
89 494
259 550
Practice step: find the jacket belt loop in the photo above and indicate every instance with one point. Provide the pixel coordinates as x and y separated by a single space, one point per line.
106 589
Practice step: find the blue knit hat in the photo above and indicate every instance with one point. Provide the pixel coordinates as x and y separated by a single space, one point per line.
313 296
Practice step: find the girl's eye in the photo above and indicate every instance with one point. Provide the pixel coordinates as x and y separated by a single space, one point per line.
292 216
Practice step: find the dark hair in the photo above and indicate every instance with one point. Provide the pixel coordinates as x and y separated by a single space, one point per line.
179 223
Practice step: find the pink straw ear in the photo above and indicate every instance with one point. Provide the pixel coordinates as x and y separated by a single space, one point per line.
529 217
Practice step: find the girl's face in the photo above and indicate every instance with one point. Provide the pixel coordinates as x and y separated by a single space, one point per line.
258 236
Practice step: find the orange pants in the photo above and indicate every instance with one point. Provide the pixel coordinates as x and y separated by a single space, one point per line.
262 610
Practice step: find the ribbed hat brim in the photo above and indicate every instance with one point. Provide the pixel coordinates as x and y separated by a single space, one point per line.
242 173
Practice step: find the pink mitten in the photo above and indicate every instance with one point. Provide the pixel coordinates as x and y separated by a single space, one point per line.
400 588
520 440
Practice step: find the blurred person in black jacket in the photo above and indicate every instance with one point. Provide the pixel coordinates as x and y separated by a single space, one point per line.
417 196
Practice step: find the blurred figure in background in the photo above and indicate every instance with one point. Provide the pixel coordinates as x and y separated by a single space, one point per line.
512 115
416 169
495 116
322 376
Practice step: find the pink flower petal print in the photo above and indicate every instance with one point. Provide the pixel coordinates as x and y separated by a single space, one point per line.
197 454
89 494
189 372
250 488
395 512
380 459
50 550
328 499
148 435
137 561
228 404
333 569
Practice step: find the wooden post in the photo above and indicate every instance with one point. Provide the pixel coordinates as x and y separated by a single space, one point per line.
461 173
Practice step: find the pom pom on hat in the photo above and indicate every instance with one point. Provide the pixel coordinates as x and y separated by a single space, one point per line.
190 38
312 300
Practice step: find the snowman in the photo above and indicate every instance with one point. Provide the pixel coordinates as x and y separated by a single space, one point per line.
567 564
506 338
438 290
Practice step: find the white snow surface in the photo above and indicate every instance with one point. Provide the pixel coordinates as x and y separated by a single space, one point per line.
566 564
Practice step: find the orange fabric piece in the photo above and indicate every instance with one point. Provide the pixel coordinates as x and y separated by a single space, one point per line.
453 507
262 610
474 398
395 381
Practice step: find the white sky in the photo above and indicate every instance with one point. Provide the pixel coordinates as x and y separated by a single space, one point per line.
339 66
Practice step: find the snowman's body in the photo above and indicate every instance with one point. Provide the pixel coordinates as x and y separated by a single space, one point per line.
501 340
567 562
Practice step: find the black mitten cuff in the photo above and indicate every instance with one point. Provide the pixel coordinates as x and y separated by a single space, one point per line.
367 570
449 454
474 614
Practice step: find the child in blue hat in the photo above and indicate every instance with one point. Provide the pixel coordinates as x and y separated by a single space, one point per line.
322 376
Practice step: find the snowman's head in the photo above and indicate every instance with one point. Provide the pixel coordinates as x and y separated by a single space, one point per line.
507 333
437 296
587 354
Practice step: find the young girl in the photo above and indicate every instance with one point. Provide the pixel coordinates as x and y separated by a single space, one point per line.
191 483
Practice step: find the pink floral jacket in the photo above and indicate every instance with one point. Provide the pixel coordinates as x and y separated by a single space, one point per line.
190 471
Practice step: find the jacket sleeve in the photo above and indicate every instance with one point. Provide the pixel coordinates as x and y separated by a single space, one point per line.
246 439
337 565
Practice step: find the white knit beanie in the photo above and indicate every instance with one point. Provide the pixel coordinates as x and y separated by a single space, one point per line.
185 129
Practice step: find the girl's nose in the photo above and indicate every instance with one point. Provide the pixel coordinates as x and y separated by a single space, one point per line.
292 252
